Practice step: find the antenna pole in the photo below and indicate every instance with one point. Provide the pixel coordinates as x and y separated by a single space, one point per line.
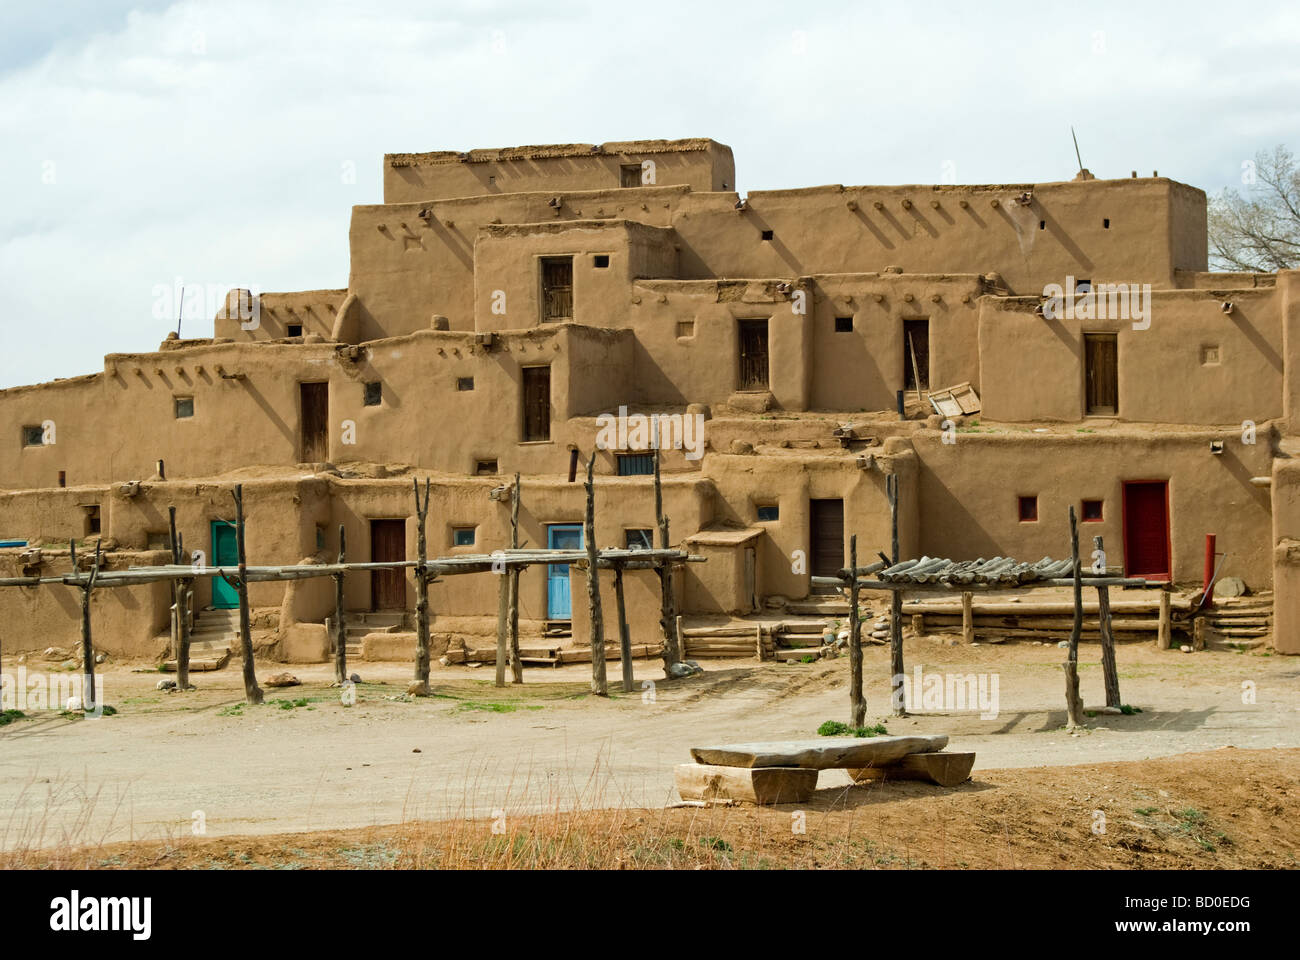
1076 148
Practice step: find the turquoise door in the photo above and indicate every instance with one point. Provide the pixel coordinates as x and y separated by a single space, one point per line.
225 553
559 603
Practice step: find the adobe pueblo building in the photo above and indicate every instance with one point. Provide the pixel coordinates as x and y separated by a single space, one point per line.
510 311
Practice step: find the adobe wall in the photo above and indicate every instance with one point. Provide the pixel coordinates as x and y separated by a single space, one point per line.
700 164
1031 367
1285 555
313 310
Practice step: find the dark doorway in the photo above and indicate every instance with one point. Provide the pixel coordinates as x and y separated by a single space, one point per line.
557 289
916 354
387 544
537 403
753 355
1100 374
315 399
826 539
1146 529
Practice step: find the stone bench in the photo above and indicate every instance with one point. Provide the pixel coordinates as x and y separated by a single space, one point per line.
785 771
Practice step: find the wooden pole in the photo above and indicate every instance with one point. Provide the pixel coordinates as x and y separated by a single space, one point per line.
667 599
1164 628
252 692
176 559
598 680
516 663
896 667
916 370
503 626
340 617
87 643
857 702
624 635
968 617
1109 670
420 687
1073 704
180 606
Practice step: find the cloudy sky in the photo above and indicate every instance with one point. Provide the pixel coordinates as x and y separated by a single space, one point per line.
212 141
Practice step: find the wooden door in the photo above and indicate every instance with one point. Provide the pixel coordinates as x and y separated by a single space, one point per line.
1101 375
916 354
826 539
1146 529
225 554
537 403
557 289
315 404
753 355
559 599
388 543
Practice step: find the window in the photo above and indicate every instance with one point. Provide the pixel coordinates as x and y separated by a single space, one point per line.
916 354
843 324
485 468
33 436
629 175
768 512
685 328
1091 511
1105 224
635 464
1028 509
92 524
600 261
557 289
374 395
640 539
767 234
1209 354
537 403
462 537
464 383
1042 224
184 408
320 537
293 329
63 478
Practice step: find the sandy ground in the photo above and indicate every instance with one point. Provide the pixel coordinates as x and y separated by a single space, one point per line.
165 759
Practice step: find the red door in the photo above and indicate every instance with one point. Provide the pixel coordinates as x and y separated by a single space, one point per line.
1146 529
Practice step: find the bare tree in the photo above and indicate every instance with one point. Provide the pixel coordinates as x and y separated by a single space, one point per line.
1261 230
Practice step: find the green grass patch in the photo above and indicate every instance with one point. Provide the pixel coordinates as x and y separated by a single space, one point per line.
834 728
9 716
1128 710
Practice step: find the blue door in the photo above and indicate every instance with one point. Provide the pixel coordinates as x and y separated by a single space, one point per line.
559 603
225 553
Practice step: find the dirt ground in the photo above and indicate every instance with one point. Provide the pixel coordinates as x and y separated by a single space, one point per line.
304 763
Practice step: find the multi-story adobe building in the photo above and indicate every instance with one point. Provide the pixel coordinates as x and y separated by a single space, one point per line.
502 304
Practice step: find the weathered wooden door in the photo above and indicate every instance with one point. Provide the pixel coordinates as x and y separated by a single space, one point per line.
826 539
225 553
388 543
1146 529
557 289
315 403
537 403
1101 375
559 599
916 354
753 355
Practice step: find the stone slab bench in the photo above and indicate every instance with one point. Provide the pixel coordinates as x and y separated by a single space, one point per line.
823 753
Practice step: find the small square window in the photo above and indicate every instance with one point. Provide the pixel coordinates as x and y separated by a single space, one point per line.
635 464
184 408
1028 509
33 436
767 234
768 512
93 525
600 261
640 539
685 328
1105 224
485 468
374 394
1091 511
293 329
464 383
462 537
629 175
1210 354
843 324
1042 224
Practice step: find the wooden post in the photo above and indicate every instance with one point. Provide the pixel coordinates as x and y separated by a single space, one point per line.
340 618
667 599
1164 628
1073 704
968 617
176 558
1110 671
503 625
420 687
624 635
896 668
87 644
916 370
857 702
516 664
180 606
598 682
252 692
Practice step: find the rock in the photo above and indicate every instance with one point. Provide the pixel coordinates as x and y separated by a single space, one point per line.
945 769
1185 648
1064 645
355 678
444 661
1231 587
100 658
69 665
742 447
699 781
700 410
416 689
165 685
283 680
685 668
417 750
776 602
